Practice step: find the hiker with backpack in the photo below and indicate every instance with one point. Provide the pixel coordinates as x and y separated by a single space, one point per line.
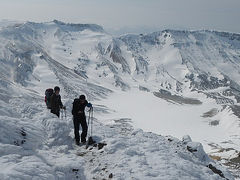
48 94
79 118
55 102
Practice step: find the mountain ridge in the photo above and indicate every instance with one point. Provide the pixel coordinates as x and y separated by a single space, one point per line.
172 71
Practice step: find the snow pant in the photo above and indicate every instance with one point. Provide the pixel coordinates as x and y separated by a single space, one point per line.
56 112
77 121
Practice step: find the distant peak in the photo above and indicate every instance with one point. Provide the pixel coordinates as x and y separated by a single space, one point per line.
58 22
80 27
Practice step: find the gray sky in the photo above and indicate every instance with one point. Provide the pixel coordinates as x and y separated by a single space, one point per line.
130 15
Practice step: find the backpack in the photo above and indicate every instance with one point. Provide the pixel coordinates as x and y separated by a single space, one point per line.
48 94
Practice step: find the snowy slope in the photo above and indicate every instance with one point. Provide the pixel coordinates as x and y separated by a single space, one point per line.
170 83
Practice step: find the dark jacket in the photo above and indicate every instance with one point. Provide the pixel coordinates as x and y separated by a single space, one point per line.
78 109
56 103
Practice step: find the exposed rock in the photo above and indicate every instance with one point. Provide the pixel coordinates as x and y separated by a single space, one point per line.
215 170
141 88
210 113
116 55
110 176
176 99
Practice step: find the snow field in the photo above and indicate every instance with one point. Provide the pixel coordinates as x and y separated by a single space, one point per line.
155 115
34 144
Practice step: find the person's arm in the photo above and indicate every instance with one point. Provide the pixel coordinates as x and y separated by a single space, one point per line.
88 104
73 109
60 102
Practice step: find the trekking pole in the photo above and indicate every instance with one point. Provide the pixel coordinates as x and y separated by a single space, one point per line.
61 114
87 144
92 121
65 112
89 123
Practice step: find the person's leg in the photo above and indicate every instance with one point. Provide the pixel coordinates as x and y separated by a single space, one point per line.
76 129
58 113
84 129
55 112
52 111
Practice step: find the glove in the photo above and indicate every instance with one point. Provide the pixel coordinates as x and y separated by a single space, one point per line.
89 105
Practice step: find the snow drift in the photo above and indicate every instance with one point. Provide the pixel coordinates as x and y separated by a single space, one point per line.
190 72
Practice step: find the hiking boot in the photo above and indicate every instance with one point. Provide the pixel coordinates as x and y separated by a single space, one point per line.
83 142
77 143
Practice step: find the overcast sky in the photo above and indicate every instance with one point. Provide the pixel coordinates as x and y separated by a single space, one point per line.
130 15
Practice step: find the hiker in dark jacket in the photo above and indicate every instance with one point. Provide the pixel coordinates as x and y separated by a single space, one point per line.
79 117
56 103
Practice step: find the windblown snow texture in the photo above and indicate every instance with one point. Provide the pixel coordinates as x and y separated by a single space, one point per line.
134 81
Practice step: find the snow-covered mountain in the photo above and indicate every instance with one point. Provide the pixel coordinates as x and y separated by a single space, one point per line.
168 82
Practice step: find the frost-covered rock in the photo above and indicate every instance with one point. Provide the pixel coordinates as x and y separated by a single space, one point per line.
197 149
186 139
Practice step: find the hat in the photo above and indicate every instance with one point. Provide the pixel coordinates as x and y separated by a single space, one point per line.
82 97
57 88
